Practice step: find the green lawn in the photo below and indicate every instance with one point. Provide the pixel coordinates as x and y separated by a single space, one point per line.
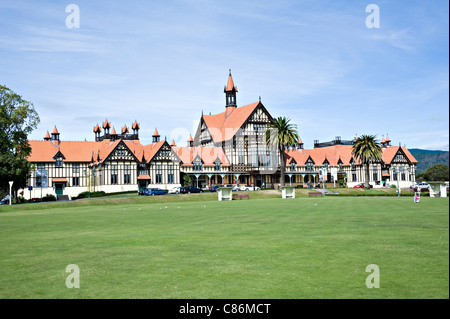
198 247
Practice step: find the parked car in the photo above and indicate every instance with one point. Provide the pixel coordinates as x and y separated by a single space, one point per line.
142 191
249 188
190 189
5 200
175 190
155 191
214 188
422 186
361 185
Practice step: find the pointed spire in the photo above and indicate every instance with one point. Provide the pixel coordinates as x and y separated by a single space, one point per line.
135 126
155 136
113 131
106 124
47 137
230 84
173 143
55 130
125 130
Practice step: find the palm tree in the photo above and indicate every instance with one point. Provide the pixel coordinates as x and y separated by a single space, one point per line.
368 150
281 135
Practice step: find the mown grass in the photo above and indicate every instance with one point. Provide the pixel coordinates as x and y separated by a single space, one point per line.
196 247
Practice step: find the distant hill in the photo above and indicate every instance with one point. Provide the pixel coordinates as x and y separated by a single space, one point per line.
427 158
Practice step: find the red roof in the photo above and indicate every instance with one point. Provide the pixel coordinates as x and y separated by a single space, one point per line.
47 135
338 152
55 131
207 154
390 152
223 126
230 84
106 124
135 126
125 129
155 133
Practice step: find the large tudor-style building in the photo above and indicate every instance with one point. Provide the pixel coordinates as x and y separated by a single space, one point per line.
228 148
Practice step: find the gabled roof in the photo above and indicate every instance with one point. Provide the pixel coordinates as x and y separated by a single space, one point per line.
339 153
390 152
224 126
208 155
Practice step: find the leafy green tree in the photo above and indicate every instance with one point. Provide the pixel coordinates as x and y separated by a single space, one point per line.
435 173
368 150
18 118
280 135
186 180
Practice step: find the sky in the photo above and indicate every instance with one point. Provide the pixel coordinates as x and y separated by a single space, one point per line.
163 63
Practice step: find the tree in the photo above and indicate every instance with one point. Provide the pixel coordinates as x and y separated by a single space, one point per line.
436 173
280 135
367 150
18 118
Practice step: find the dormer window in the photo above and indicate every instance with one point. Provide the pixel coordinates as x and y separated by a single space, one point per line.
293 166
59 162
217 165
309 166
197 166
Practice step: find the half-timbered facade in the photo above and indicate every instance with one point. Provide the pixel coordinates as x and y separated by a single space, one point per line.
239 131
227 148
397 166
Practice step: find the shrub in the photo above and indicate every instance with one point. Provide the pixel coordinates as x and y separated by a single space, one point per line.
49 198
93 194
393 186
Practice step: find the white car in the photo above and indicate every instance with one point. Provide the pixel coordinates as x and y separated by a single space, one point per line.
249 188
175 190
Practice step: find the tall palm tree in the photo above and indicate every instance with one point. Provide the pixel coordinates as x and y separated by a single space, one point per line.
368 150
280 135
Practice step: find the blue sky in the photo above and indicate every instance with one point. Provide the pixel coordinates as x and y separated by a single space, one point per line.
164 62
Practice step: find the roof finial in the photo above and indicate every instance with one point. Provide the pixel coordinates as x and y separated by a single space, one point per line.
229 70
260 98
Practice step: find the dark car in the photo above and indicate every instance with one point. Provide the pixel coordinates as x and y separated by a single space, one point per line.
361 185
190 189
142 191
154 191
214 188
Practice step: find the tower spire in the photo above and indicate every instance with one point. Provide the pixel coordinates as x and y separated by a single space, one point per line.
230 91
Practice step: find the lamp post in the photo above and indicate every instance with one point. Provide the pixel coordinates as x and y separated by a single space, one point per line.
89 177
397 171
10 188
